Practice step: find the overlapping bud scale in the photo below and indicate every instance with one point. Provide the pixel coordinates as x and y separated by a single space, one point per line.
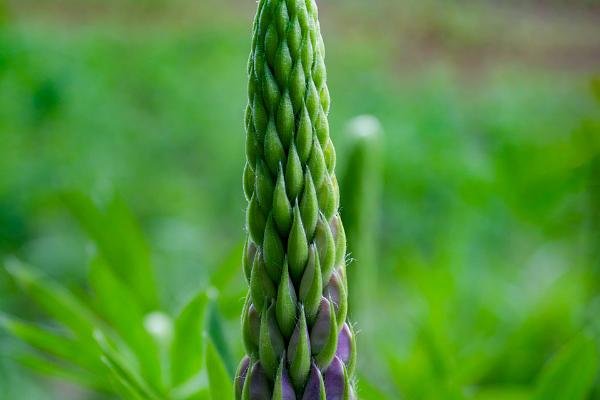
297 340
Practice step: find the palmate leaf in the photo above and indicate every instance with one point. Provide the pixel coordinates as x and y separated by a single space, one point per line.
187 348
55 344
120 242
55 300
119 307
570 374
78 376
125 371
220 385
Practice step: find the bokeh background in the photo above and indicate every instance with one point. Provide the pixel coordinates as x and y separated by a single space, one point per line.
485 225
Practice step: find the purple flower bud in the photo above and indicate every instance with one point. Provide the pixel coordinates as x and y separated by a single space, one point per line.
283 385
320 330
335 381
248 259
336 292
240 377
344 347
258 387
314 387
339 236
253 323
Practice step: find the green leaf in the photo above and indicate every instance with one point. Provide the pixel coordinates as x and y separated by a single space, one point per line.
228 270
194 389
118 306
44 366
55 344
371 391
505 392
120 241
571 372
216 332
220 385
55 300
187 348
125 371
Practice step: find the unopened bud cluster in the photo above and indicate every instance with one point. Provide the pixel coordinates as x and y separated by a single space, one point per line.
297 340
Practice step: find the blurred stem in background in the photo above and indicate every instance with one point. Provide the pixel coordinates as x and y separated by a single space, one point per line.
594 188
361 197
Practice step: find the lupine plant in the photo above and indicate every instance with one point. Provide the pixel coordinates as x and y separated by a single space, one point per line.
298 342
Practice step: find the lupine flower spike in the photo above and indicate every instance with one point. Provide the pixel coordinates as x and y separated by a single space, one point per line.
297 340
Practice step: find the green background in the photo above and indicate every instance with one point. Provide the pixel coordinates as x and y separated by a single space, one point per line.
488 227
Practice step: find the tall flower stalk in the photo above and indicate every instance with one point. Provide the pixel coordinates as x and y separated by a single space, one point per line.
297 340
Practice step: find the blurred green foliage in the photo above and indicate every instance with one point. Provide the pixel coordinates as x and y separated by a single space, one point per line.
488 268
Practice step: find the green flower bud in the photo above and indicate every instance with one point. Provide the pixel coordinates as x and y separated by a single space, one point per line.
286 304
316 163
274 153
250 327
294 175
282 209
285 120
311 286
249 180
261 286
309 206
339 235
327 198
297 249
248 258
299 353
304 135
297 92
273 252
326 247
256 220
264 187
261 120
271 345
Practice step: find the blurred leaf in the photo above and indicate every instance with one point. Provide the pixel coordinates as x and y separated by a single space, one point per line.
370 391
55 344
55 300
596 88
121 243
194 389
117 304
571 372
187 348
80 377
220 385
126 373
504 393
217 334
229 269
